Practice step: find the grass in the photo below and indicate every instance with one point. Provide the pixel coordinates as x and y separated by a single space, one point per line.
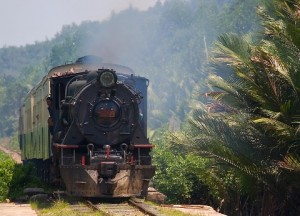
60 208
173 212
168 211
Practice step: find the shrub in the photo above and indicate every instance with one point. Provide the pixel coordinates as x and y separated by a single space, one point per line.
6 173
15 177
23 177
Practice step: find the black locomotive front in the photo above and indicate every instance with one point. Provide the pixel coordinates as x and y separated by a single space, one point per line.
99 137
101 111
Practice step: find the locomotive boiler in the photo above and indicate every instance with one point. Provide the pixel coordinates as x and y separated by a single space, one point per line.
93 136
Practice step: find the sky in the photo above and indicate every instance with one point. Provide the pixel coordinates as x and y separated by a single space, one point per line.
30 21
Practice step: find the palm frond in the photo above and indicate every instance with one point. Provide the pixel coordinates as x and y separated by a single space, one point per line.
273 27
291 162
271 114
233 50
267 56
220 83
214 142
276 128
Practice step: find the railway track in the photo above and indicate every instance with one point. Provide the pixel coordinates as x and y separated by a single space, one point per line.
132 207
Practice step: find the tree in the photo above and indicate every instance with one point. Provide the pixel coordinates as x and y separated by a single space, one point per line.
11 94
183 177
251 126
69 47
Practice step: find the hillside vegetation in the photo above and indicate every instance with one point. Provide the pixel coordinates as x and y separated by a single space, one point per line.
223 95
169 44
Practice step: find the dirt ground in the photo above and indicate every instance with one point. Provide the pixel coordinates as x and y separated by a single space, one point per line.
12 209
16 156
202 210
4 147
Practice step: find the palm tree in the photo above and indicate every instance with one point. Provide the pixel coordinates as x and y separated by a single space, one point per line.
256 134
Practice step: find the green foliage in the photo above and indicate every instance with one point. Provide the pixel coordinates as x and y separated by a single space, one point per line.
68 49
182 177
175 178
11 94
14 178
250 128
13 60
239 16
6 174
14 143
23 177
169 44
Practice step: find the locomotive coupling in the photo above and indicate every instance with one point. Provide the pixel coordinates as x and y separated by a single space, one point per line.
107 169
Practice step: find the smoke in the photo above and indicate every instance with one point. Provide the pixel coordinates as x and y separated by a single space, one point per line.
120 40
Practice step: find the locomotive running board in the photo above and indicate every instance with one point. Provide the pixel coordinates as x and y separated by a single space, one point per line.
80 182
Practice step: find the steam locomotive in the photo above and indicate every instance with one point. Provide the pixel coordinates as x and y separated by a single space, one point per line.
95 140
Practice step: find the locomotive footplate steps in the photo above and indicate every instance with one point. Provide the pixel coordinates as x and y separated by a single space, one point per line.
86 181
104 174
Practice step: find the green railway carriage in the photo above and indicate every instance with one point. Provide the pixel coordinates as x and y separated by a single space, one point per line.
34 135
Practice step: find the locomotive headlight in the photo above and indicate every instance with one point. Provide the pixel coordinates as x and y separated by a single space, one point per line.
107 78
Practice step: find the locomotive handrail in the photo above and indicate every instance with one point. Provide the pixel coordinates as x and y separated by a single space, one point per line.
63 146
